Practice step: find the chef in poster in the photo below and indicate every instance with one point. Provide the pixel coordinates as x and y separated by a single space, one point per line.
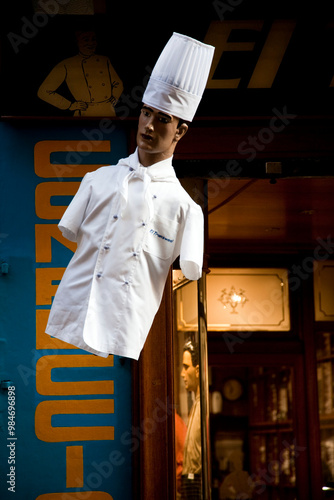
91 80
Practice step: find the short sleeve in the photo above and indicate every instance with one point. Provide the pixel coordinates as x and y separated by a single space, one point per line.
192 244
75 212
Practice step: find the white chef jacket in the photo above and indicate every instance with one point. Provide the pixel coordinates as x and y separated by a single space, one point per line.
130 223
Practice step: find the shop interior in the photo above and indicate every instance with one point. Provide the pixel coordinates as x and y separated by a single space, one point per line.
270 354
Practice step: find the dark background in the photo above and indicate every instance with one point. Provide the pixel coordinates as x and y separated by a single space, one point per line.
133 35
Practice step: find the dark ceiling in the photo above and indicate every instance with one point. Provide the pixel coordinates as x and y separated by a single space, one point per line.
289 214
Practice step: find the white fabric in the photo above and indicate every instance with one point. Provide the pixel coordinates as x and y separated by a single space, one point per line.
130 223
179 77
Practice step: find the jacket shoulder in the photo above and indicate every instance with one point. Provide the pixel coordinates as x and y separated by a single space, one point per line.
104 172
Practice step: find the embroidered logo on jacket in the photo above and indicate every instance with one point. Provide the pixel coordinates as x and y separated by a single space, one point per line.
155 233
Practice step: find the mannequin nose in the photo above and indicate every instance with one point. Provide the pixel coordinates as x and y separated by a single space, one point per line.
149 126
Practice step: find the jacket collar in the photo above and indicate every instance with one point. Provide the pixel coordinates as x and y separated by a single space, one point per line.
161 171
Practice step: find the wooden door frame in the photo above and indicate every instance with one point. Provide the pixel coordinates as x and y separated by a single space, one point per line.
153 398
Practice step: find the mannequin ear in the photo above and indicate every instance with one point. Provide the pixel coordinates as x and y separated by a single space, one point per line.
197 371
181 131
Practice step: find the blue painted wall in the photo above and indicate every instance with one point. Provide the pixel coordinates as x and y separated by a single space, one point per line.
49 447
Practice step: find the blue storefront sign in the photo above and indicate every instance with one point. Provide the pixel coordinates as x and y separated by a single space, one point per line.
65 415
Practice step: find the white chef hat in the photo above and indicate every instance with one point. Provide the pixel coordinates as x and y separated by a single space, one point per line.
179 77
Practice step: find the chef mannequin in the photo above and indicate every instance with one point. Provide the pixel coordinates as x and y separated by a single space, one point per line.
133 219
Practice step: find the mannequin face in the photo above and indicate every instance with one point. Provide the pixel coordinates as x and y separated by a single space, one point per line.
190 373
157 135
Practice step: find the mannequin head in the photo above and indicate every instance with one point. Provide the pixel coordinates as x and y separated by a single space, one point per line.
190 370
158 134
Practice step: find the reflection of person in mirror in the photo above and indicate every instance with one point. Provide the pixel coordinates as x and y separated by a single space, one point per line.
180 437
90 78
191 484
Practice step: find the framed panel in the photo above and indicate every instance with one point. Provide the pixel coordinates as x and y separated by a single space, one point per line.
324 291
241 299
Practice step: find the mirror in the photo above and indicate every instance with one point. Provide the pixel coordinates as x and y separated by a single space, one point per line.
190 389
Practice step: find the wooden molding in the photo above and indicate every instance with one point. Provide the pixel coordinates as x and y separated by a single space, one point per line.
156 468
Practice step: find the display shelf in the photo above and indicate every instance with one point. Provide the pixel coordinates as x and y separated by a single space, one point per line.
281 426
266 437
270 394
325 381
328 417
273 458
